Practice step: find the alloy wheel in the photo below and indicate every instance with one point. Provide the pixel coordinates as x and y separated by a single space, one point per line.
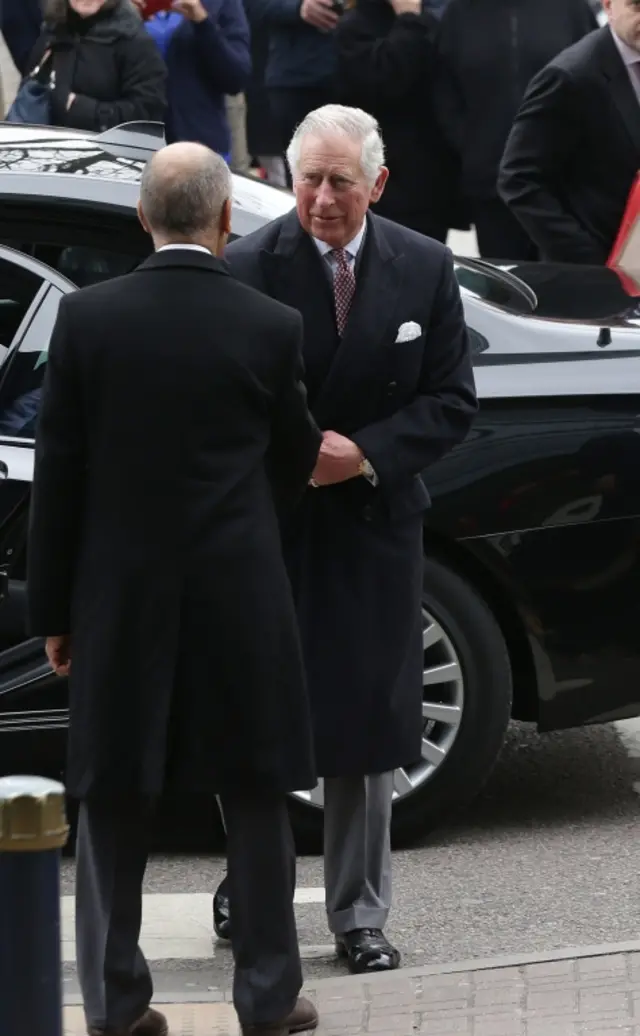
442 707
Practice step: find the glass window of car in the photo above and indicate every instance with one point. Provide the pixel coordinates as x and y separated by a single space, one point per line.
84 245
18 289
497 287
21 387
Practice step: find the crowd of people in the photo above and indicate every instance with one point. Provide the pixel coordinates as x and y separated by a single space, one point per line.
452 83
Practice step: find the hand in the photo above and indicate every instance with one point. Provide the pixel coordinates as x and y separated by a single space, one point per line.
139 4
70 99
319 13
192 10
59 654
338 461
407 6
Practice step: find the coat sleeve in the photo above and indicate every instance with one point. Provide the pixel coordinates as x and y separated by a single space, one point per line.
142 88
58 489
20 23
273 12
403 445
449 97
223 48
543 142
295 437
376 68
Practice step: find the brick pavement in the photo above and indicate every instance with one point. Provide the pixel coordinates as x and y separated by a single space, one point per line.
587 996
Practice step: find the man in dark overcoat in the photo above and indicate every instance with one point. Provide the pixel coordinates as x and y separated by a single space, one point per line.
173 417
389 377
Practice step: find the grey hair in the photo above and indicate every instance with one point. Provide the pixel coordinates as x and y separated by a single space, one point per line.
353 123
190 201
57 11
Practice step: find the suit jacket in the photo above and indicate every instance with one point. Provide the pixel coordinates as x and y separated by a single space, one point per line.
154 537
354 550
574 151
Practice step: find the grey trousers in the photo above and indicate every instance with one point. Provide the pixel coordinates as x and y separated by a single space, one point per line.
111 858
357 851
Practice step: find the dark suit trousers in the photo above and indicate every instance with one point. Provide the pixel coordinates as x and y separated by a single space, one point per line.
500 236
111 855
289 106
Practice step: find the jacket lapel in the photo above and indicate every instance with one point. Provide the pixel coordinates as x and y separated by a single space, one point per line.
373 309
294 274
620 88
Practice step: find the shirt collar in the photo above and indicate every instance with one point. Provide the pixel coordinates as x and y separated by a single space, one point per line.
185 248
629 55
353 247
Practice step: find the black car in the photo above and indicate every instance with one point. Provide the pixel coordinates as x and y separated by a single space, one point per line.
531 548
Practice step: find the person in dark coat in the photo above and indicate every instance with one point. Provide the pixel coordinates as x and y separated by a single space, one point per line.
20 23
208 56
489 50
386 66
173 417
301 62
574 151
107 69
389 376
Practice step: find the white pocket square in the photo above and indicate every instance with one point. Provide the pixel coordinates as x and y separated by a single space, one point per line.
407 332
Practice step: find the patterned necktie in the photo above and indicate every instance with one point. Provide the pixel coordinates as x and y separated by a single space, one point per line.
344 286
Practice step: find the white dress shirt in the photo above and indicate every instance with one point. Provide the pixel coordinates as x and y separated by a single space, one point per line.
631 60
188 248
351 249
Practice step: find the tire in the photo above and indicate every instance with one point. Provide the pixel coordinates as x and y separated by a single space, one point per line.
472 646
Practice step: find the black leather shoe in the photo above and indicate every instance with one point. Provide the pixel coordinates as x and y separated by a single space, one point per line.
366 950
221 912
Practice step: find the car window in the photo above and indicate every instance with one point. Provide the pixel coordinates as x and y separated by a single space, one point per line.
18 289
490 287
22 385
83 245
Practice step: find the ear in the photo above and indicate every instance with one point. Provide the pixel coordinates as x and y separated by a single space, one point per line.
379 185
142 217
225 218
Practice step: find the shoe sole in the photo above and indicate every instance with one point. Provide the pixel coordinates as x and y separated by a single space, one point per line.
342 954
308 1027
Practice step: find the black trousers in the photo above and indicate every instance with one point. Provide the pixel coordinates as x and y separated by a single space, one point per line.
500 236
111 856
289 106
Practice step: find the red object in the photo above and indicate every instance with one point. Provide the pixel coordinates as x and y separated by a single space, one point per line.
625 254
152 7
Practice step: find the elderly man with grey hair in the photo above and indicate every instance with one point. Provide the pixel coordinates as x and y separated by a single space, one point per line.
173 418
390 383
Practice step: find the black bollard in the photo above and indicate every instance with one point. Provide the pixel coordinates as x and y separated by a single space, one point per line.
33 830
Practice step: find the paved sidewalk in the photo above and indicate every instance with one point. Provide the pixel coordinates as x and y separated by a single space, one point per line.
588 995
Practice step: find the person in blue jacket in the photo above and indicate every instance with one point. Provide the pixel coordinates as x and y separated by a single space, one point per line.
21 22
208 55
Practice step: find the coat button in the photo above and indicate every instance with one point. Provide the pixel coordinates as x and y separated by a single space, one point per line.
367 512
391 387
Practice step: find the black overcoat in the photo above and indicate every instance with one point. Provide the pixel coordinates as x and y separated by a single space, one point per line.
354 551
573 153
154 537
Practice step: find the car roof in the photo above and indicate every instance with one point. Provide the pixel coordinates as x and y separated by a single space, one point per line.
46 162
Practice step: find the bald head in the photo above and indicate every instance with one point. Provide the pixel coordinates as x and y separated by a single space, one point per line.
185 196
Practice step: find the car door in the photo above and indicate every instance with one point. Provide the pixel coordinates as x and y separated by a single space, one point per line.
33 708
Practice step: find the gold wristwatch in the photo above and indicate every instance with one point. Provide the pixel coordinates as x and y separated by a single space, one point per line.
366 469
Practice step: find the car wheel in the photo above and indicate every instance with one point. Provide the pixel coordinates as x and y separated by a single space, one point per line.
467 706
